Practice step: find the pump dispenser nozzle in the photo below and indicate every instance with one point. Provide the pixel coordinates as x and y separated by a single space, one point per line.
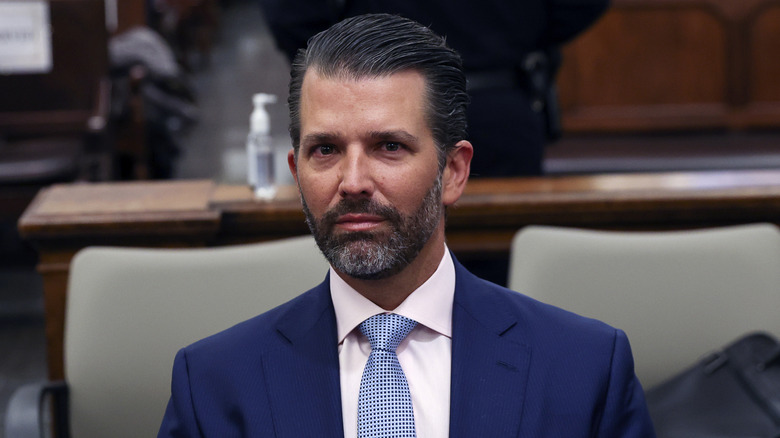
259 120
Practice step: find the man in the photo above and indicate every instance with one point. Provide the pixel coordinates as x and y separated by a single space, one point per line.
377 106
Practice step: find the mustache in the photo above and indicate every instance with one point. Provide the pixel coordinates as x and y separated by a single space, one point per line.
364 206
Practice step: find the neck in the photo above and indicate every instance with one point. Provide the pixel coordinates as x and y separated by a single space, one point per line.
388 293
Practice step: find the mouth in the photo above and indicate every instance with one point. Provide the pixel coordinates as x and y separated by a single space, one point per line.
359 222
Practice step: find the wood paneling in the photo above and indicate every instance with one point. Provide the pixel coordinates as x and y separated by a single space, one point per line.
130 14
682 65
69 93
765 56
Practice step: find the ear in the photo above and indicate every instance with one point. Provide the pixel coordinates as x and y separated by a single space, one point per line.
456 172
293 165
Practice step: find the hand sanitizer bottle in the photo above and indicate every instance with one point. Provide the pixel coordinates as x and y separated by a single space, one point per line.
259 148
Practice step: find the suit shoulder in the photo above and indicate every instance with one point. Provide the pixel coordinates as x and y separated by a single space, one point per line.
258 333
532 309
558 336
537 320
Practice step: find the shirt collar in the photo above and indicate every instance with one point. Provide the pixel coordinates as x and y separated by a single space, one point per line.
429 305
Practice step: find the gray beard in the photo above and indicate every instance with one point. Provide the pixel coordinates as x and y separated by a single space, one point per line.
373 256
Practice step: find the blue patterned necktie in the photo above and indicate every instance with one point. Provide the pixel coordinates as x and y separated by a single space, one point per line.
384 402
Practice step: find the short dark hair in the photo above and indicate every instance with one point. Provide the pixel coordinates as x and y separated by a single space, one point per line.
375 45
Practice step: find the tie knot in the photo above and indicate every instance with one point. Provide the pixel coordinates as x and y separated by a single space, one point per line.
386 330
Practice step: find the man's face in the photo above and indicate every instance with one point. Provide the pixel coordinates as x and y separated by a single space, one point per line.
367 170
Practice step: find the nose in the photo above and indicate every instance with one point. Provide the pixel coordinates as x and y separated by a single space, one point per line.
356 180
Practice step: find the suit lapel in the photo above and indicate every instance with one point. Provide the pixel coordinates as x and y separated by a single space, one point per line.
489 362
303 374
489 366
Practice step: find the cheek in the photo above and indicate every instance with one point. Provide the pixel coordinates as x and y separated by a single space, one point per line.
407 191
318 192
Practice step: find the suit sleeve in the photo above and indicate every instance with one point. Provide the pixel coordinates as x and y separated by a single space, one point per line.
179 420
625 412
569 18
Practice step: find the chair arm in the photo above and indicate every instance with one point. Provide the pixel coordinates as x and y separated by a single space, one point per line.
27 411
96 124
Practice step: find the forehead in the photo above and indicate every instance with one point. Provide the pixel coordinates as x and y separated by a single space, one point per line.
397 97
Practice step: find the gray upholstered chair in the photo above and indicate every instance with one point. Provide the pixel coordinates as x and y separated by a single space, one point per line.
129 311
678 295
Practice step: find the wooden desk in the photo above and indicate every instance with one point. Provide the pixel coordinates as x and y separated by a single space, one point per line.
65 218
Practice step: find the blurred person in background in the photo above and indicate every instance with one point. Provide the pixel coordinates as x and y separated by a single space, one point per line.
510 53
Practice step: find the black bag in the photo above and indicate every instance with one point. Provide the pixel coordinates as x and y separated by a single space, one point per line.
730 393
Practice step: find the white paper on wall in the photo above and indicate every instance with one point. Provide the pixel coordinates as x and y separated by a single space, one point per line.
25 37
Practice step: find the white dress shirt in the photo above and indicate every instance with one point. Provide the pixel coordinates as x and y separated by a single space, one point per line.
425 355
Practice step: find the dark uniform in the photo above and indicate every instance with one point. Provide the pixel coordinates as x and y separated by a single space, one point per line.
505 46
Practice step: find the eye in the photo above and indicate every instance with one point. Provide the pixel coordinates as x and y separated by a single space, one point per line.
392 146
325 149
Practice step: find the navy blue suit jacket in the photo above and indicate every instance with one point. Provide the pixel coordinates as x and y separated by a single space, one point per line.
520 368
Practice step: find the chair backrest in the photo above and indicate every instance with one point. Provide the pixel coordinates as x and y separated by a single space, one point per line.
129 311
677 294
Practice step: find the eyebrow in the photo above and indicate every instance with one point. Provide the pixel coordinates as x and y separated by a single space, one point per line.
329 137
319 137
401 135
